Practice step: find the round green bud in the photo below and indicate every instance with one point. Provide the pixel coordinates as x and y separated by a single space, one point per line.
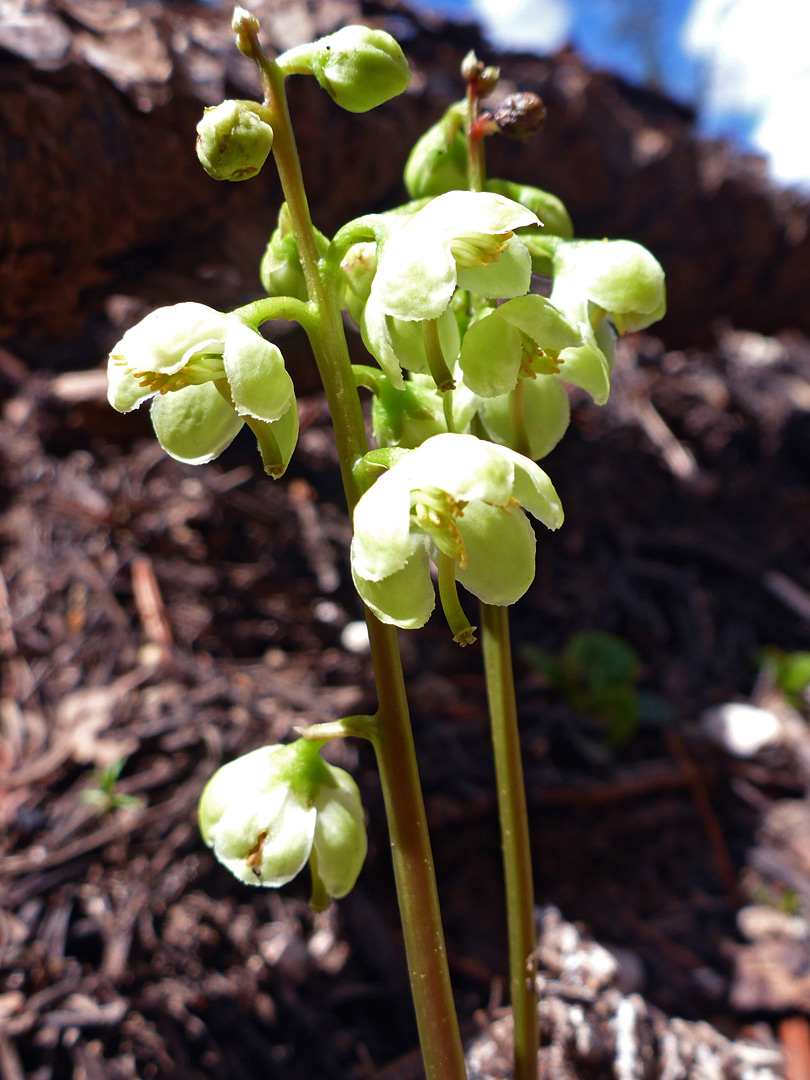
358 67
438 161
234 140
281 271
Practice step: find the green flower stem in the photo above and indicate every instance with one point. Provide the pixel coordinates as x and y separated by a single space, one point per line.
435 357
517 403
410 844
514 835
270 308
515 839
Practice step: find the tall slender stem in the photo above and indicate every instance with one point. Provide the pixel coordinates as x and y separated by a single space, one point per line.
393 742
515 839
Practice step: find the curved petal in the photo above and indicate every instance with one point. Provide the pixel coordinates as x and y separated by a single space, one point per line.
500 546
195 424
124 391
585 366
382 542
259 382
405 598
511 275
490 356
534 490
376 334
547 413
541 321
622 277
458 213
463 466
416 275
340 834
165 340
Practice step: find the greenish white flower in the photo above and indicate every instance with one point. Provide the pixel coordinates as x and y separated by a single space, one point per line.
615 279
528 336
461 239
458 499
269 813
208 374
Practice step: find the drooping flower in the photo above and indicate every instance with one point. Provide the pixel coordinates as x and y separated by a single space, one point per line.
269 813
208 374
461 239
614 279
458 501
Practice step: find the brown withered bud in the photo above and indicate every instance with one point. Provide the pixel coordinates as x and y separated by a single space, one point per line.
520 116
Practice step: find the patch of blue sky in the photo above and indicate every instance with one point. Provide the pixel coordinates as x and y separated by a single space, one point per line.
742 64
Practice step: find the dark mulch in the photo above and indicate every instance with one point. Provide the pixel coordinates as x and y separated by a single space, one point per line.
176 617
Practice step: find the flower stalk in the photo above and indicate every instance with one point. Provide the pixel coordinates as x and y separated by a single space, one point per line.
392 738
515 838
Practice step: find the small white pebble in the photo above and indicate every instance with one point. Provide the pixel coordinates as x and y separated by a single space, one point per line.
354 637
327 611
742 729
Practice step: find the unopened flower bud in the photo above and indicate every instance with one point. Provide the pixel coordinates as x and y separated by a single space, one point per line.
281 271
519 116
358 268
245 26
471 67
358 67
438 161
234 139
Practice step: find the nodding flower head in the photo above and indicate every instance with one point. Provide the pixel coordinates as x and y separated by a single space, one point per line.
456 500
269 813
207 374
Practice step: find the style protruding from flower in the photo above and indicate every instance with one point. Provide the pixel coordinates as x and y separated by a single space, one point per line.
456 500
234 140
269 813
360 68
207 374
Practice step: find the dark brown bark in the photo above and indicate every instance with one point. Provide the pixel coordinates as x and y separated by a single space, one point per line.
102 193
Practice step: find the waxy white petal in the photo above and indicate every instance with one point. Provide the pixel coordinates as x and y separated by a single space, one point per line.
340 834
463 466
382 544
406 597
500 546
195 424
259 383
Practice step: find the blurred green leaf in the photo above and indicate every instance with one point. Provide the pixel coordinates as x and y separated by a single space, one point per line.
602 660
